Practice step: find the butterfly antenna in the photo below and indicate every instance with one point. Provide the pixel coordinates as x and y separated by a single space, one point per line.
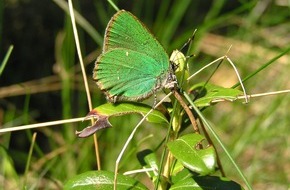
189 56
189 41
175 61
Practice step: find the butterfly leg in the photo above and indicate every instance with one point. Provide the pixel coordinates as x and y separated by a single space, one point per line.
155 99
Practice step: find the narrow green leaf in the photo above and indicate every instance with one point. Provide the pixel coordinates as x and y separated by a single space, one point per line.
208 93
119 109
103 112
82 22
4 62
264 66
104 180
8 167
185 149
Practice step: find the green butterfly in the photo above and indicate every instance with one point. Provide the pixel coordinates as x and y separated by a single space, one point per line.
133 65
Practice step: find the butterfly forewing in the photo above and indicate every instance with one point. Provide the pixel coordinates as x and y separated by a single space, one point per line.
126 31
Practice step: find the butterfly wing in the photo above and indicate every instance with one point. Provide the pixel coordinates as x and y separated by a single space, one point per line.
125 75
133 64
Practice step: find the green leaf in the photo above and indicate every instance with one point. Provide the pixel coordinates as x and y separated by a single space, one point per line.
177 168
148 159
181 175
118 109
103 112
206 183
209 93
104 180
185 184
186 150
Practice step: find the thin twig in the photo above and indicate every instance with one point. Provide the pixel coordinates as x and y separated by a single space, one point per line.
187 110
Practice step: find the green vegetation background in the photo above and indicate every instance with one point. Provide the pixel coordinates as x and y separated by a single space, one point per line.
42 82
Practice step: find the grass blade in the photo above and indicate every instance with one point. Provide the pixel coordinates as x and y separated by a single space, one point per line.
4 62
218 140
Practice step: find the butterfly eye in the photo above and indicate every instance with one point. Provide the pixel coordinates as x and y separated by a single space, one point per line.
174 65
